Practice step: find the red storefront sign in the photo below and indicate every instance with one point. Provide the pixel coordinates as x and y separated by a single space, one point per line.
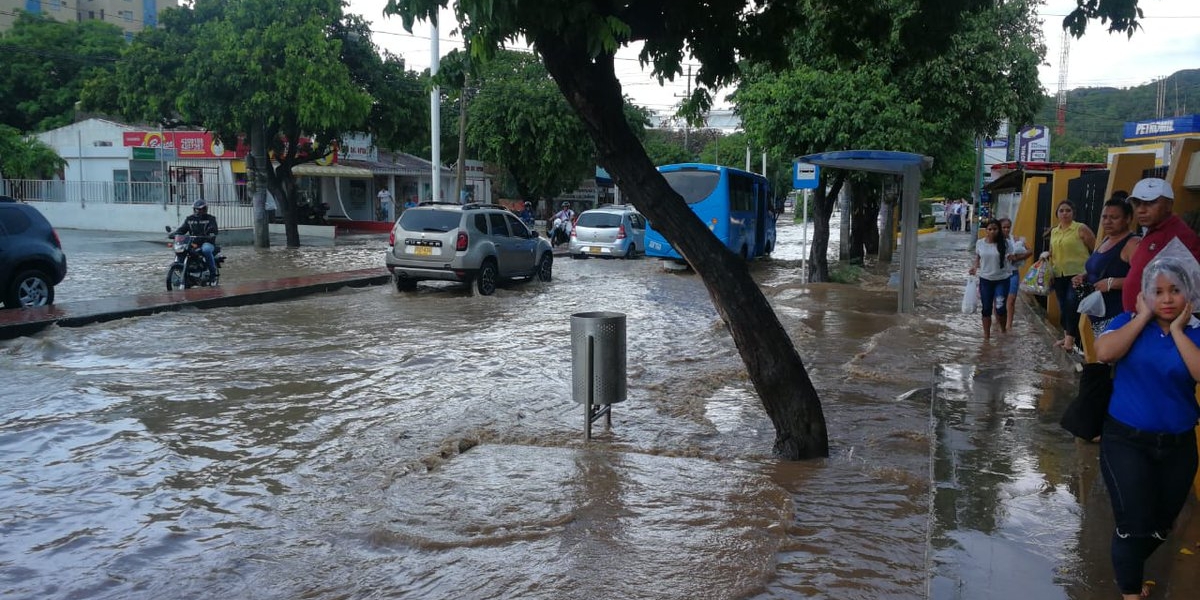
186 144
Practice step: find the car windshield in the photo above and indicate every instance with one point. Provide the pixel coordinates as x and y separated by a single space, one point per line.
598 220
693 185
429 220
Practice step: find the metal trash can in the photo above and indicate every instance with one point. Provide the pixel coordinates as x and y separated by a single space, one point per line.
598 357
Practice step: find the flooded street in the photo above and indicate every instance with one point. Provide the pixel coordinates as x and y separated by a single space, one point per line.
368 443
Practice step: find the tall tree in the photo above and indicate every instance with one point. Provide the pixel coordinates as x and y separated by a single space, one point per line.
520 122
47 64
890 96
252 67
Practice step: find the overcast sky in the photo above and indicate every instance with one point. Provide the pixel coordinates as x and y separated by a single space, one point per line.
1168 42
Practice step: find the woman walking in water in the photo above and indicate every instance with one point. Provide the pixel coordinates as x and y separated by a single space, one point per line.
991 264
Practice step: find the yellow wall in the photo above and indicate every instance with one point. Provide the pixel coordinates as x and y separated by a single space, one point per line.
1185 200
1126 170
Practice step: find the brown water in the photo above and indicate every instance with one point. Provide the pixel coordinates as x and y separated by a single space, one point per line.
375 444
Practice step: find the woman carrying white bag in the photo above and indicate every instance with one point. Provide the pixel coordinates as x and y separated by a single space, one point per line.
991 264
1107 266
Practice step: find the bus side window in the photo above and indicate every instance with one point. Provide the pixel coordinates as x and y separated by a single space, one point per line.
741 194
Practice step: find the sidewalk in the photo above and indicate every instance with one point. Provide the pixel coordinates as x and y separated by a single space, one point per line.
17 323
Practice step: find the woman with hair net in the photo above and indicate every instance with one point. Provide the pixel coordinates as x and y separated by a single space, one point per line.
1148 445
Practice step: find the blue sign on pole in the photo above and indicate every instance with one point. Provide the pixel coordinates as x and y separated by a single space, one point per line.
805 176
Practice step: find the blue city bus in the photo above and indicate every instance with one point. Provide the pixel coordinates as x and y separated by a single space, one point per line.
735 205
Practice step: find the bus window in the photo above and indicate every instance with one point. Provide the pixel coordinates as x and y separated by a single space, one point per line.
741 193
694 186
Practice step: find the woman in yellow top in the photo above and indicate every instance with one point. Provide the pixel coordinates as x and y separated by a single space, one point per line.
1071 243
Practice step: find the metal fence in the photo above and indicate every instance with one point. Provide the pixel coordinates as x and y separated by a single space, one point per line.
229 202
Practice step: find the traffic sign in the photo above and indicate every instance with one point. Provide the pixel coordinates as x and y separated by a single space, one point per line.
805 176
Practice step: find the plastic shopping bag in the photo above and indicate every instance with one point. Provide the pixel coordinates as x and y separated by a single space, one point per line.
1092 304
1035 279
970 299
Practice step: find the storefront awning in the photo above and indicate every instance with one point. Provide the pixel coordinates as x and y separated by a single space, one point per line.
314 170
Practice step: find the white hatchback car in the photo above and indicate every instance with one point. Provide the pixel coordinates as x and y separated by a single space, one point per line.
616 230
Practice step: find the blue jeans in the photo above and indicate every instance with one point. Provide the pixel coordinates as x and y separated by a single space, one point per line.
993 294
1149 477
207 249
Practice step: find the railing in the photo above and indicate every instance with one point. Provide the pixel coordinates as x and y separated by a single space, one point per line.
229 202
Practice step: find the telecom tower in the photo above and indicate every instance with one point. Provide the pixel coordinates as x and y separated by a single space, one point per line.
1061 112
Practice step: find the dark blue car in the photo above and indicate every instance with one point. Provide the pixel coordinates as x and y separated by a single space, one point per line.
31 257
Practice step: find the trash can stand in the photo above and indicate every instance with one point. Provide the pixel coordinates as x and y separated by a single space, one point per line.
598 364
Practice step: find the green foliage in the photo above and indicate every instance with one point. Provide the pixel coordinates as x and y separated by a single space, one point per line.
846 273
891 101
665 148
520 122
47 64
233 66
25 157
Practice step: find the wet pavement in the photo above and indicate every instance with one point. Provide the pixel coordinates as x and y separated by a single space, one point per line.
371 443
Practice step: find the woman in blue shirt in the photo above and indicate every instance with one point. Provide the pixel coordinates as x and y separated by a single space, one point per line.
1148 446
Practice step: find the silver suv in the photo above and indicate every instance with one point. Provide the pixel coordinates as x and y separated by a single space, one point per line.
612 231
478 244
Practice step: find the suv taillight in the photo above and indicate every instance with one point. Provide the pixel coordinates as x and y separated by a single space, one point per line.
392 238
54 234
621 232
460 242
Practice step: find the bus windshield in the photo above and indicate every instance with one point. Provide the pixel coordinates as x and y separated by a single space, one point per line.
693 185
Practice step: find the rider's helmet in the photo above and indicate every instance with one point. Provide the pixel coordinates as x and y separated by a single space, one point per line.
566 204
528 204
199 207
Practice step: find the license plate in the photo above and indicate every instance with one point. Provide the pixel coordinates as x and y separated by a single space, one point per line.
423 251
594 250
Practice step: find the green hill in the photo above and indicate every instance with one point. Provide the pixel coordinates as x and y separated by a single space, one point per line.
1096 116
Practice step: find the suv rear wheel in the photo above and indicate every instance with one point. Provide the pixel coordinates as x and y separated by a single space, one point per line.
30 288
485 279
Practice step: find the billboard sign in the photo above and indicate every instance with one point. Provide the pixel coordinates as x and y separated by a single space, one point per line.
1033 144
1158 128
184 144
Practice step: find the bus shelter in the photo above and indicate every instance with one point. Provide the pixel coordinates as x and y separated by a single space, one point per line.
907 165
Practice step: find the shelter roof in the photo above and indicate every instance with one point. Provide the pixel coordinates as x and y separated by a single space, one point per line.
876 161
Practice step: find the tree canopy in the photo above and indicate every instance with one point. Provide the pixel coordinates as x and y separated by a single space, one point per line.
47 65
519 122
25 157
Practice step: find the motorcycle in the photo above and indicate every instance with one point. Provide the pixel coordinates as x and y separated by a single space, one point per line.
190 268
560 232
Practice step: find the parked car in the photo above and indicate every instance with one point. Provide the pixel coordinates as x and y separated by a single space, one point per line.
31 257
611 231
476 244
939 213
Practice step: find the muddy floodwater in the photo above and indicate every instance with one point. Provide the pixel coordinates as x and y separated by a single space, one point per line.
369 443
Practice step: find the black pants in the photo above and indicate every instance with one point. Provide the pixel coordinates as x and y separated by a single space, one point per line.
1149 477
1068 306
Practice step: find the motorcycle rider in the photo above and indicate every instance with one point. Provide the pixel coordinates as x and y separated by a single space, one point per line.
202 227
527 214
563 220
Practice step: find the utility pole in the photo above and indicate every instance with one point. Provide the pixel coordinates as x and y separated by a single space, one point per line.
686 126
435 116
460 181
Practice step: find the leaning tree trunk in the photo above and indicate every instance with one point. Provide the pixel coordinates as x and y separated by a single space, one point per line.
774 366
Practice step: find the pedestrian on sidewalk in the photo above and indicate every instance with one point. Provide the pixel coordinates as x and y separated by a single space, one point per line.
1018 253
1153 203
991 264
1070 244
1148 442
1106 269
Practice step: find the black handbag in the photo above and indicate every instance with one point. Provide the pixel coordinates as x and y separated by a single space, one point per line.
1084 416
